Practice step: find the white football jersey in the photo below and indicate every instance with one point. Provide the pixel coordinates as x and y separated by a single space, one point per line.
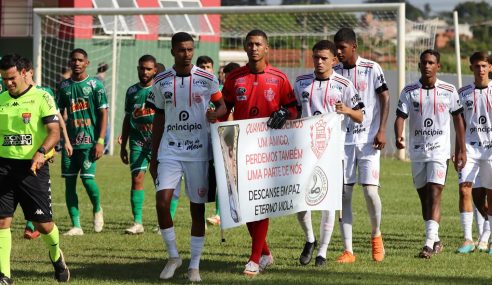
477 111
185 101
430 118
316 96
368 79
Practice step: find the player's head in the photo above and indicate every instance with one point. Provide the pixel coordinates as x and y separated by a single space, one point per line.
13 70
429 63
480 65
78 61
346 43
229 68
102 67
147 69
205 62
182 47
160 68
221 75
29 70
324 54
66 72
256 45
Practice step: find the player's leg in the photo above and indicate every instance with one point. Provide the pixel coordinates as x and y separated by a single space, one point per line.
486 182
419 175
215 219
326 230
466 177
7 208
258 231
70 169
350 165
139 160
369 165
304 219
88 177
169 173
479 195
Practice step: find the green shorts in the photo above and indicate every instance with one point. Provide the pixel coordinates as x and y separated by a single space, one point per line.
80 161
139 159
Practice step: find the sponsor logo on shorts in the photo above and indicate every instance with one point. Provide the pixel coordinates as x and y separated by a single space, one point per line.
39 212
202 191
17 140
375 174
87 164
318 187
320 136
440 173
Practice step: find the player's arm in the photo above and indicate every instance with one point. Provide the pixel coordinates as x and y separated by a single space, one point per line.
460 148
125 129
354 114
98 149
53 128
399 124
384 100
66 139
220 109
351 98
157 132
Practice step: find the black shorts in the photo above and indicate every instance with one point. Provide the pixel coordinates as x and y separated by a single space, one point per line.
18 185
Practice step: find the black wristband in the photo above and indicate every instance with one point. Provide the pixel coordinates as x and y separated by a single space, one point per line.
42 150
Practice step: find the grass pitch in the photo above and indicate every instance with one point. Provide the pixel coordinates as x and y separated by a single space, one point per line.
111 257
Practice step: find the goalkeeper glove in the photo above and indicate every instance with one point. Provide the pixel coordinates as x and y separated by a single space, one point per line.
278 118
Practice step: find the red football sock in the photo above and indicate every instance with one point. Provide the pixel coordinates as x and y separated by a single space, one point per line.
258 231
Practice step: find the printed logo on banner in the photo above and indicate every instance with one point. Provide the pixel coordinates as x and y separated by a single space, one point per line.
318 188
320 136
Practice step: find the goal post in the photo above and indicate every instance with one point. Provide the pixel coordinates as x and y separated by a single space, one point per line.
292 29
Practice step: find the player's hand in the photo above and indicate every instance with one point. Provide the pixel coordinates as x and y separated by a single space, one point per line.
400 143
124 155
153 168
459 161
120 139
379 140
277 119
37 162
68 149
211 115
97 151
340 108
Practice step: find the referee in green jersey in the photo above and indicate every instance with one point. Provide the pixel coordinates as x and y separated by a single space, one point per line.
28 128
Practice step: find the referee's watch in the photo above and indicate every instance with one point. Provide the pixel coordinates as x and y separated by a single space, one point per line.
42 150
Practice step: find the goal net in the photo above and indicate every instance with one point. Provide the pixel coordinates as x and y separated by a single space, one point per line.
118 36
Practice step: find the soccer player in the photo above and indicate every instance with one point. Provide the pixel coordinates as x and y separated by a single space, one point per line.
364 141
475 100
429 103
319 92
137 127
29 128
180 145
206 63
259 90
84 99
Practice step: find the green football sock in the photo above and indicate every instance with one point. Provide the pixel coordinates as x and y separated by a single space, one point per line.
137 199
174 207
30 225
72 200
52 240
93 192
5 247
217 208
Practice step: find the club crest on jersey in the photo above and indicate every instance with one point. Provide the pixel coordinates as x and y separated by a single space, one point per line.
269 94
168 95
92 83
362 86
305 96
320 136
241 91
26 118
469 104
416 106
318 187
86 90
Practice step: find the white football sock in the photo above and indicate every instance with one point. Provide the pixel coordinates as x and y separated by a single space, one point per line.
373 203
169 238
431 233
490 219
480 221
304 219
326 230
196 248
346 221
466 224
486 231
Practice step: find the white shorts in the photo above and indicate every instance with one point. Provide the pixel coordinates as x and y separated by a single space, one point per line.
169 173
478 172
424 172
362 160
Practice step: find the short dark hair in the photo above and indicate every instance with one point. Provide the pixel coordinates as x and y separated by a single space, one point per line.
203 59
78 50
102 67
147 57
257 33
65 69
431 52
180 37
10 60
479 56
26 63
325 45
230 67
345 35
160 67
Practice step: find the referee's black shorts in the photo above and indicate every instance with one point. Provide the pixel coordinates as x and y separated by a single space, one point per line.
18 185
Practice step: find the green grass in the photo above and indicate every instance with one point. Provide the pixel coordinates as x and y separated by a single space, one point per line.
111 257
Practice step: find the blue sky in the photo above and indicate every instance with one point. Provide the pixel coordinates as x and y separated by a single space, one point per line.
436 5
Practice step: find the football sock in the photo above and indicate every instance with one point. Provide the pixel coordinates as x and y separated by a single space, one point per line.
486 231
52 240
72 200
169 238
326 230
174 207
30 225
258 232
373 203
490 236
346 221
93 192
137 200
217 208
304 219
466 224
5 247
480 221
431 230
196 247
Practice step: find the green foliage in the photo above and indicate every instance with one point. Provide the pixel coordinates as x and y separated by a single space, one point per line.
112 257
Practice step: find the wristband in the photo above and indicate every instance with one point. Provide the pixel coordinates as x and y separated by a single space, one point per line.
42 150
100 141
